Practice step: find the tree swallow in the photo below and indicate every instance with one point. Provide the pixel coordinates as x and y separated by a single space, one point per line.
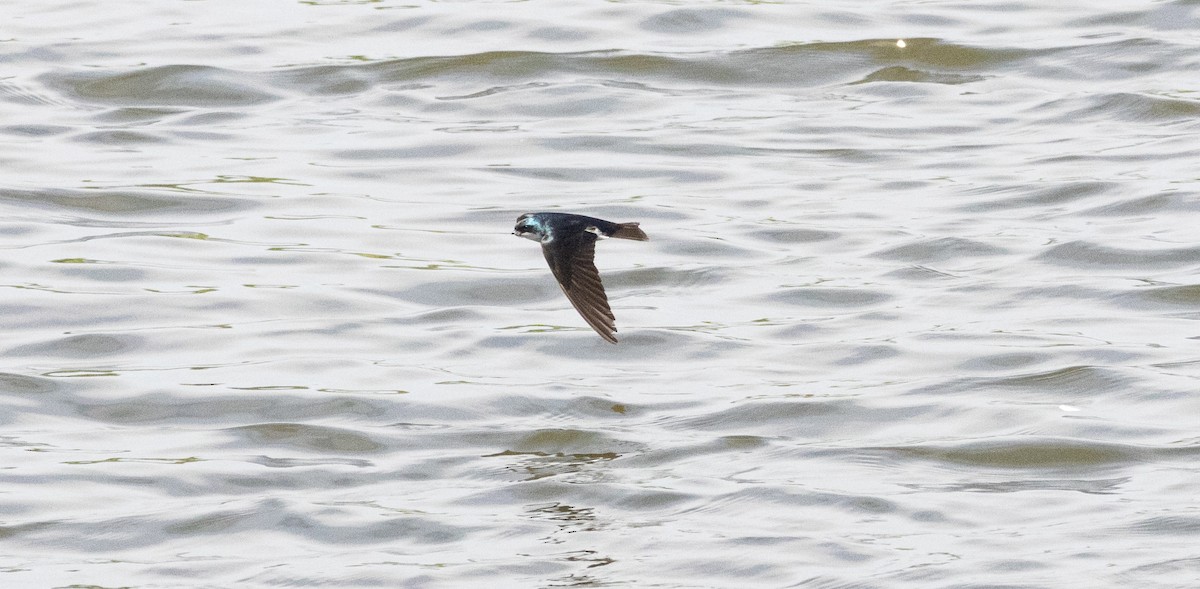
569 244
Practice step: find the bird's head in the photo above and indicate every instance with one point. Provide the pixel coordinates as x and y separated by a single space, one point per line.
530 226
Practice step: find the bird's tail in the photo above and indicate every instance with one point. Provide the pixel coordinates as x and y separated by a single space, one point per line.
630 231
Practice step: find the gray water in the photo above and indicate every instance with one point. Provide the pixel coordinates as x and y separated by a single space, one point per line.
919 307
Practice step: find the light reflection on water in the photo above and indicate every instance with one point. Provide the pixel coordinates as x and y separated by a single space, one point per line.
916 314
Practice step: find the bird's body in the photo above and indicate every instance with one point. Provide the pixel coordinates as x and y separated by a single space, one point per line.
569 244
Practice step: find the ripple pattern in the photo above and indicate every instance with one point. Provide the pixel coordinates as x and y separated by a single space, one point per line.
919 307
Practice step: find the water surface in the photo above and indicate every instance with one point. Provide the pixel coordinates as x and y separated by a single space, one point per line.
919 307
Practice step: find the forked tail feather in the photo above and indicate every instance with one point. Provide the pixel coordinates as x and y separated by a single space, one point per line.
630 231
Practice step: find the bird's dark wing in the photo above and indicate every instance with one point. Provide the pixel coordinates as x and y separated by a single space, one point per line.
573 262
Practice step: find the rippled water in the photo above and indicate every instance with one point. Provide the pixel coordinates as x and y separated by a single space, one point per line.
919 307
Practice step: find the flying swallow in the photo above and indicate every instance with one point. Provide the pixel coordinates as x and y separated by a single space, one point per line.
569 244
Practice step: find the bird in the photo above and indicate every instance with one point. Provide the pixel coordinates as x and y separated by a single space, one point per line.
569 244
